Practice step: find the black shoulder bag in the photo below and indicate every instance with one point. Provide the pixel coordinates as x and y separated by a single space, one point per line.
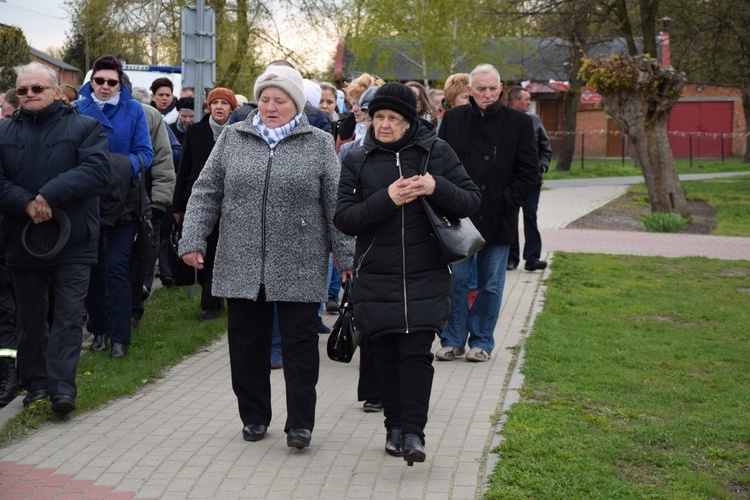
344 337
457 238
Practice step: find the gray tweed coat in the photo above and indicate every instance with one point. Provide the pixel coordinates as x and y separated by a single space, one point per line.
276 214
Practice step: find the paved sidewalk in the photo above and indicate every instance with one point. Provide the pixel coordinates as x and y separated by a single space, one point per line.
181 437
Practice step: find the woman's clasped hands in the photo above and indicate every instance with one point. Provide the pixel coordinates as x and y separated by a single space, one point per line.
404 191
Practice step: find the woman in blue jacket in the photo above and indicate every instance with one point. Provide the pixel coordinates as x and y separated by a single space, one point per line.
106 99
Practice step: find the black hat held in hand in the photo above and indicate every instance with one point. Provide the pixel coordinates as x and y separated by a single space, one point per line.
46 239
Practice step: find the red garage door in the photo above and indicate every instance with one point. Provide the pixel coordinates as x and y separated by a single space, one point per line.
702 123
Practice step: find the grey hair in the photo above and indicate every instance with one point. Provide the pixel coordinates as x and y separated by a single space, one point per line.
141 95
34 66
483 68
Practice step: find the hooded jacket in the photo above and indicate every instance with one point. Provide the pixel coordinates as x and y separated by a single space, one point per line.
64 157
400 285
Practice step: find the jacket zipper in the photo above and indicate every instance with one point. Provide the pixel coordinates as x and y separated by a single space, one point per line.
362 258
263 220
403 249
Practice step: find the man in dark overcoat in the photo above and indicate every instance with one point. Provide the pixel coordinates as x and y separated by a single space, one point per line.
497 147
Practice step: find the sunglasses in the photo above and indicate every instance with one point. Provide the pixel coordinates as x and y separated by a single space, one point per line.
100 81
35 89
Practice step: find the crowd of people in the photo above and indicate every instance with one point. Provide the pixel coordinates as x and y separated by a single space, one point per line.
278 200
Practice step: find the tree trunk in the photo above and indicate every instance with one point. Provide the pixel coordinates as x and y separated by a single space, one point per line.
241 49
659 171
746 108
565 160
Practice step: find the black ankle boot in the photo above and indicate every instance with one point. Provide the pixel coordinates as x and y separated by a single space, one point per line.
393 442
8 381
412 447
99 343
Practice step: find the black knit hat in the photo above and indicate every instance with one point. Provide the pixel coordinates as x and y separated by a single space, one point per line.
396 97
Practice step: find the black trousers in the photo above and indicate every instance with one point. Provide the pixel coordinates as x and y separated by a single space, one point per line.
404 369
367 388
8 332
250 325
48 353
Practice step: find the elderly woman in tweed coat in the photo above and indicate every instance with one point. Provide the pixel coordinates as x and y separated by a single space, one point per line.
271 181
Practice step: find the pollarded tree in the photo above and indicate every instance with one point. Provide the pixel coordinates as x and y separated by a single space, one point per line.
639 94
15 53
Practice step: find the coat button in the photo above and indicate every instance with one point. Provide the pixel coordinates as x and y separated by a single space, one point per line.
481 217
486 157
484 186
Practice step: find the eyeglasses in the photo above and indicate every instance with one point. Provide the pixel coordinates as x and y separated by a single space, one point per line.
35 89
100 81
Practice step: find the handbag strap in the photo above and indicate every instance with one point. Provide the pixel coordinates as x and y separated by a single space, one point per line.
345 301
143 215
426 161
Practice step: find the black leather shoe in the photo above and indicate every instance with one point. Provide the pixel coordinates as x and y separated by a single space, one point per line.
118 350
207 314
512 266
413 449
9 383
298 438
34 396
372 405
254 432
99 343
393 442
62 403
536 265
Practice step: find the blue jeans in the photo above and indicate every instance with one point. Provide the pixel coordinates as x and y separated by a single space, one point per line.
477 325
473 278
334 280
532 248
109 301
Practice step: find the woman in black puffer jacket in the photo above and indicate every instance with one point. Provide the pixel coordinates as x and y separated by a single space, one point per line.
401 291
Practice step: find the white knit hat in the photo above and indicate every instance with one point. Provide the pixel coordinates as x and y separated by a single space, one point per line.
285 78
313 92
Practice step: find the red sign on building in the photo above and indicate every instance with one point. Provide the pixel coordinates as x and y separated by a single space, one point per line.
590 96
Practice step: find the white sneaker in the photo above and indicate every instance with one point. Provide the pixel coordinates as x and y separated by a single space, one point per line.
449 353
477 354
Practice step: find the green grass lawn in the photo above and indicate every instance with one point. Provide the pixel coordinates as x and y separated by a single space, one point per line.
730 197
169 331
615 168
637 383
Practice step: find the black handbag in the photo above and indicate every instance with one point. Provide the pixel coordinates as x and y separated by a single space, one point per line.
457 238
344 337
144 232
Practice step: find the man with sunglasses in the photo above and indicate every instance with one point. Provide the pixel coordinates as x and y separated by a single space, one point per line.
53 162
